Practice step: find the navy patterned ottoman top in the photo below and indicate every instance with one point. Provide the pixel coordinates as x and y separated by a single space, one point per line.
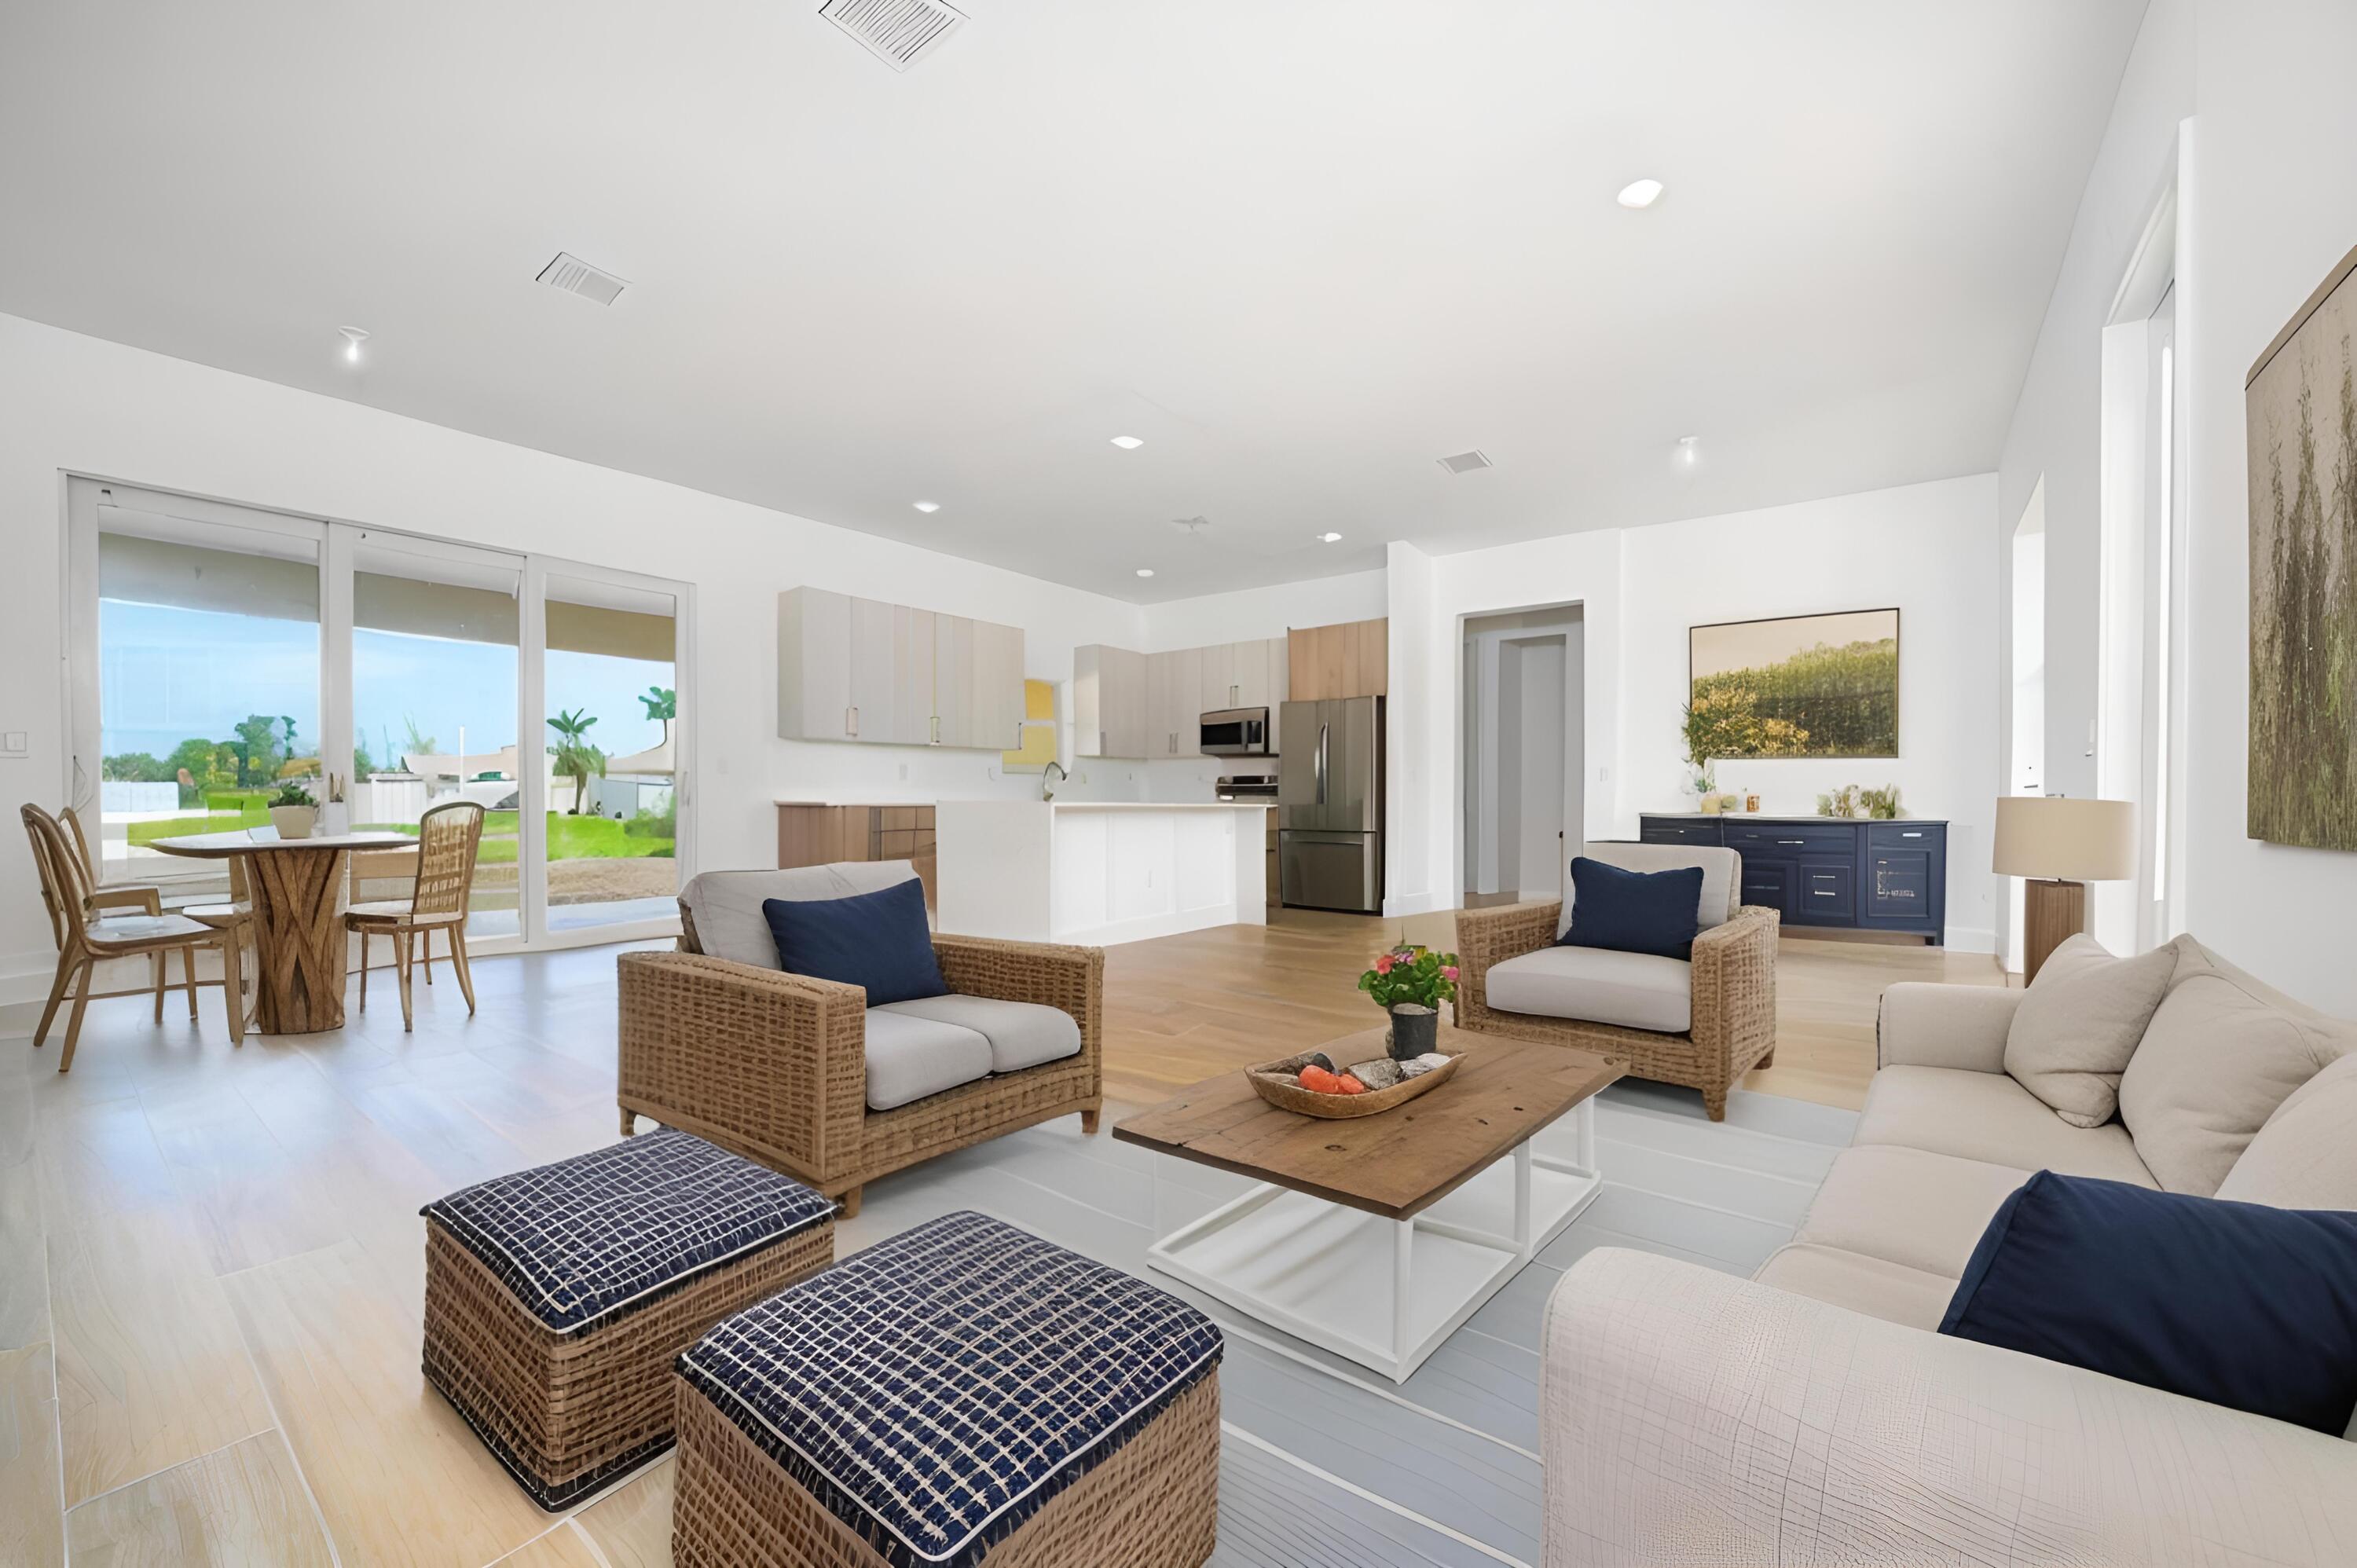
592 1235
934 1391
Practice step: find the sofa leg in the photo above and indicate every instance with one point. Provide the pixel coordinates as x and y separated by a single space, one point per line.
629 1121
1768 1060
1088 1120
1713 1101
850 1201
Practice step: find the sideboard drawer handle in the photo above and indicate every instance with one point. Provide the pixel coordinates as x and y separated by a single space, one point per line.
1792 840
1819 893
1917 834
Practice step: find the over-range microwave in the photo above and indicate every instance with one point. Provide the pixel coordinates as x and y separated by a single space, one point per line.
1234 732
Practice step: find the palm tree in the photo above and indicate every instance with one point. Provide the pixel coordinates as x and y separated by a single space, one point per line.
575 759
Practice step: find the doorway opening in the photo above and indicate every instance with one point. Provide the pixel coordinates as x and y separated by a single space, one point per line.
1523 760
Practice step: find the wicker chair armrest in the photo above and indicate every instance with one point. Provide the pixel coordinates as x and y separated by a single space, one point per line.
1490 937
1071 978
1734 980
773 1061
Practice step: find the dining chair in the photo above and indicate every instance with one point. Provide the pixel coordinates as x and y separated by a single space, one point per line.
85 938
145 898
448 839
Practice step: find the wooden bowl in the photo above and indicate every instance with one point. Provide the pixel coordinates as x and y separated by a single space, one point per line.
1270 1085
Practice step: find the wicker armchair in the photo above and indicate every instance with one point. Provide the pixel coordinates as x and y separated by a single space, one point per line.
772 1065
1732 999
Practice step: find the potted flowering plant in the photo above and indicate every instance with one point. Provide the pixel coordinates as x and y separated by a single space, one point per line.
1410 984
293 811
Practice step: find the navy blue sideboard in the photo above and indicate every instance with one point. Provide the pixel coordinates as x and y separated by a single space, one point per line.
1824 871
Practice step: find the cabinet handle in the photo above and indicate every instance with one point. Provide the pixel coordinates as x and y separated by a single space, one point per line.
1917 834
851 721
1792 840
1819 893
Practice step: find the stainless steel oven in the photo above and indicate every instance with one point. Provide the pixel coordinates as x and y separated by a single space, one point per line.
1235 732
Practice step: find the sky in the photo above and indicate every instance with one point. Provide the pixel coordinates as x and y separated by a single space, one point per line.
170 675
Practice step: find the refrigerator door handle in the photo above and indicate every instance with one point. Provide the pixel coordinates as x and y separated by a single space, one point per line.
1322 764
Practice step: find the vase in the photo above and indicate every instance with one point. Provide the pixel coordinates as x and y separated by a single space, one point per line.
294 821
1415 1031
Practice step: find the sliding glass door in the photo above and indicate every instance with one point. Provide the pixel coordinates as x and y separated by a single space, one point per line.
221 652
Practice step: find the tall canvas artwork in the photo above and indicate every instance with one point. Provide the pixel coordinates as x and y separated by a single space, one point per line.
2300 403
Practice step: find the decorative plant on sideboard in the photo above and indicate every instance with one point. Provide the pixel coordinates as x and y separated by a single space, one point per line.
1410 984
1700 728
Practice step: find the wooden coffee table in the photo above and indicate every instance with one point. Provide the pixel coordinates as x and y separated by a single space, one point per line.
1378 1236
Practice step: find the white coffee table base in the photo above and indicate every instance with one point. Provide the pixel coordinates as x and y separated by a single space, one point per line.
1385 1292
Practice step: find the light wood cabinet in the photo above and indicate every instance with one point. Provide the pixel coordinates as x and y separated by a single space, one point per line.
1215 678
1109 716
1352 659
861 669
816 833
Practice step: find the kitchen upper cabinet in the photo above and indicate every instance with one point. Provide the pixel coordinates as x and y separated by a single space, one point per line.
1109 716
1352 659
1216 676
913 676
1162 702
997 673
1184 721
1249 677
814 665
953 681
861 669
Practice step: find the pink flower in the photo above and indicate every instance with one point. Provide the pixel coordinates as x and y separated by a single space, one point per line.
1384 964
1449 972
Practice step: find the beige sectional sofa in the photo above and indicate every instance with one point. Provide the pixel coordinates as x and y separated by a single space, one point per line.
1813 1414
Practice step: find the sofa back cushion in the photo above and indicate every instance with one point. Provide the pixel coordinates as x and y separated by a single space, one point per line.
877 941
2306 1156
2079 1023
726 906
2237 1304
1721 877
2223 1051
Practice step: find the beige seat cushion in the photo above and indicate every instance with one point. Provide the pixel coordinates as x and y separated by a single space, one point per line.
2223 1051
1893 1292
2306 1156
1721 875
2079 1023
1988 1116
1597 985
910 1057
1021 1033
1908 1206
726 905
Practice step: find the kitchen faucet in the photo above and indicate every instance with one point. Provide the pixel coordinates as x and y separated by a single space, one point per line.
1046 790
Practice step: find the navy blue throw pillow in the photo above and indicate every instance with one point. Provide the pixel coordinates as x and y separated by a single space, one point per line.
874 939
2237 1303
1634 911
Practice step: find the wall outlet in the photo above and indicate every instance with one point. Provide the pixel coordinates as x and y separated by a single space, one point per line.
16 743
1604 776
904 773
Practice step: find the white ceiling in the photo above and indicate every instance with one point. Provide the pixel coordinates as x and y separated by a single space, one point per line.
1302 248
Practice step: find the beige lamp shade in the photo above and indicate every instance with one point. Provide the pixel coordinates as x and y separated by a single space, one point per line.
2074 840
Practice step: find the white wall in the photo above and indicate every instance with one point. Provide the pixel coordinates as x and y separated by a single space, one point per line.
1919 547
1263 612
74 403
2249 104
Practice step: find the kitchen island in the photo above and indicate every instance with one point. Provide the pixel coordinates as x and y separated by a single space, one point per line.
1099 872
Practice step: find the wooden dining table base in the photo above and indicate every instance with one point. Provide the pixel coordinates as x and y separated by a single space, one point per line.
299 935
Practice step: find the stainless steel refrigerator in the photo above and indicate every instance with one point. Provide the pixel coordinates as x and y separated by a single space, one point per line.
1330 797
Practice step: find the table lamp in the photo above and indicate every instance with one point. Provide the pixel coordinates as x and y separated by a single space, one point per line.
2060 845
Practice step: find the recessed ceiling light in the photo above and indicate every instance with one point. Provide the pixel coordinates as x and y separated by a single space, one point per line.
1146 570
1640 193
1689 450
1127 443
1329 537
928 506
353 337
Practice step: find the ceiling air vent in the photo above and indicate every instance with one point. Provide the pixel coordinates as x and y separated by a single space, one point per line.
898 32
1465 462
574 275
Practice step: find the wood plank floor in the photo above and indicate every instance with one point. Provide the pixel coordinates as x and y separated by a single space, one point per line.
212 1272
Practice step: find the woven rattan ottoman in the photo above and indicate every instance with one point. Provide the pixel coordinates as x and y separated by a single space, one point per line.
556 1299
962 1393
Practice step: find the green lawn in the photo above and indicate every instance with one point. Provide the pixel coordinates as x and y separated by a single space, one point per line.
569 838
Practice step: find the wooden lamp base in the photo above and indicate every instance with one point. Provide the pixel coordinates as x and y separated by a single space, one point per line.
2053 913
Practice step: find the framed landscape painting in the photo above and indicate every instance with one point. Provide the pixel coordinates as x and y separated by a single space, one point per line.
2299 404
1820 686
